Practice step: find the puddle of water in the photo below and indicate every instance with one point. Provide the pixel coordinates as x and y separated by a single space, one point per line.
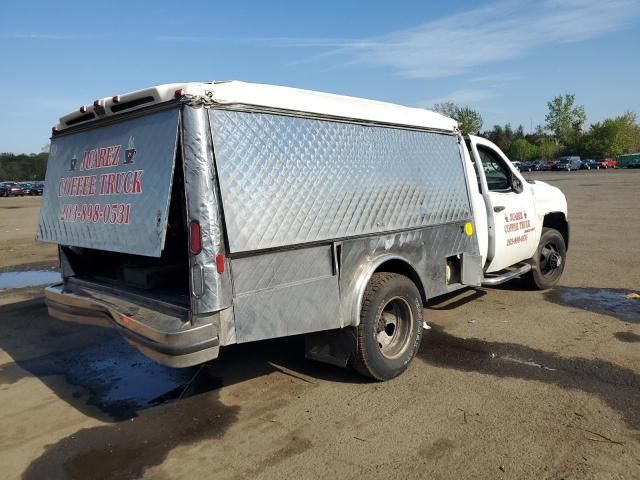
628 337
609 301
118 379
27 279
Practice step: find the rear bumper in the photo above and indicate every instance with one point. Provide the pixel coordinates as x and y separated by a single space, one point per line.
165 335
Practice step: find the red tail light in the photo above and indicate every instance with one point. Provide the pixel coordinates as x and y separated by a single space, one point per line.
220 263
195 238
178 93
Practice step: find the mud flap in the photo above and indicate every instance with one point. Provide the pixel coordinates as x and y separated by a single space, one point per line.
333 346
471 270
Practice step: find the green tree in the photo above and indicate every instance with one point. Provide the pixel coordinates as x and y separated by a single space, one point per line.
522 150
22 166
548 148
469 120
613 136
565 120
502 136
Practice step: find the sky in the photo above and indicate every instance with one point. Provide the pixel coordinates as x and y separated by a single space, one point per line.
504 58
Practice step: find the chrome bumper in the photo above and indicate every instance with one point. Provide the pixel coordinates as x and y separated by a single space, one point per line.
165 335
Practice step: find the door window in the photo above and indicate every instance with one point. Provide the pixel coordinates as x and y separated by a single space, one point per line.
496 172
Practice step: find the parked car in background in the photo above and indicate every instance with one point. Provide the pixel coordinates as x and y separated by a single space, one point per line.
13 190
590 164
568 163
609 163
28 188
532 166
549 165
32 188
3 190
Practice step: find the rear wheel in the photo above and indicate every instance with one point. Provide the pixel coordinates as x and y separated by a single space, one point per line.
390 327
549 260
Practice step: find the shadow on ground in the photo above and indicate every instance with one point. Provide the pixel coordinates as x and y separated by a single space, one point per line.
151 408
619 387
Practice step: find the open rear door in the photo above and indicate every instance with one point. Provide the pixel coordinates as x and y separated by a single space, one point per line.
109 187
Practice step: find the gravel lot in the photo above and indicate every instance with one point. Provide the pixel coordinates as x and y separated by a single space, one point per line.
509 383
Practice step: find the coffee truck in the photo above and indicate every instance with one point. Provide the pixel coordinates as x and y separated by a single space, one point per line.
193 216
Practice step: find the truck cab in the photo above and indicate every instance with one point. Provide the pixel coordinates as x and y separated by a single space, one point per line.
513 215
521 224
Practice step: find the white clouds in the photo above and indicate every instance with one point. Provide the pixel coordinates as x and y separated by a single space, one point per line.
498 31
452 45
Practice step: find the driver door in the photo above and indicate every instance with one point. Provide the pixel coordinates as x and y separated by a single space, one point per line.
510 207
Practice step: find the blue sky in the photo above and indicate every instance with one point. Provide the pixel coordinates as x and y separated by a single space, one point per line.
503 58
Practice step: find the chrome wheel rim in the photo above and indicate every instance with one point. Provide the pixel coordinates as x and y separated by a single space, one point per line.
550 259
393 328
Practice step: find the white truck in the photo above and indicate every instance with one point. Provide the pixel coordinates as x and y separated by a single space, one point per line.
194 216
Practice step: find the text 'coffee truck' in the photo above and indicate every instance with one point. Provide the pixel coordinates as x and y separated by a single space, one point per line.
194 216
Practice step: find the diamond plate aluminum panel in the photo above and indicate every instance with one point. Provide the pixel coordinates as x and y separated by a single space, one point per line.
260 272
108 188
284 293
290 180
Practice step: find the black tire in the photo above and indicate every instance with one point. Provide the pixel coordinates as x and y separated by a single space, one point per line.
549 260
390 329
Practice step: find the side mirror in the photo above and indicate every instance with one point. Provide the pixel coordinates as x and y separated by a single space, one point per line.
516 184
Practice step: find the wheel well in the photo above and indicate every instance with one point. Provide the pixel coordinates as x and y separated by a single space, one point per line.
403 268
558 221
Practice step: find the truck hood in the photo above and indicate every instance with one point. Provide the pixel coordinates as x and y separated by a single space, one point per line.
548 198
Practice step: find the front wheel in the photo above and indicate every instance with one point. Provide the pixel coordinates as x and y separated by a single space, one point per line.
549 260
390 327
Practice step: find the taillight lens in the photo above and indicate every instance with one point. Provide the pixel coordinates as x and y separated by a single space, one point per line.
195 238
220 263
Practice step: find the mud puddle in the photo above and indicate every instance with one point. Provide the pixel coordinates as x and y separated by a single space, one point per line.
125 387
114 377
618 303
34 278
627 337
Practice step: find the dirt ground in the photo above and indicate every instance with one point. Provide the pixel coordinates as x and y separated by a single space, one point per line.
509 383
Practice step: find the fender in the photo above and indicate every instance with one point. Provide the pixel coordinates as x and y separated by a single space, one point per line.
374 266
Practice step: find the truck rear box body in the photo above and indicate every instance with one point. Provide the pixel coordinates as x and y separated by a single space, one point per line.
295 210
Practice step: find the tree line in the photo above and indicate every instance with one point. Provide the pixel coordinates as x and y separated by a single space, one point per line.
564 132
20 167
